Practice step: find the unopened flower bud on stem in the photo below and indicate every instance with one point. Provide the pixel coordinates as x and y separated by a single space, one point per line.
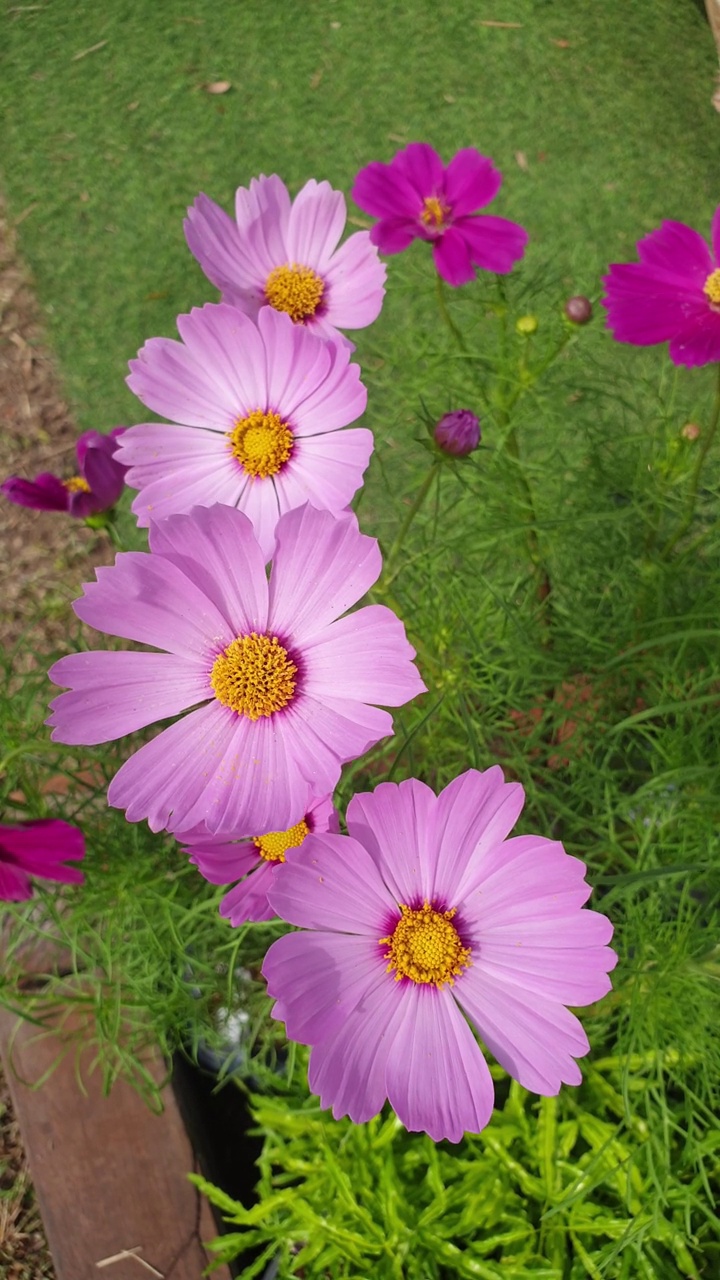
458 433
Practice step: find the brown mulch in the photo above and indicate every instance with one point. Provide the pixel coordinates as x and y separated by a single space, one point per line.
23 1248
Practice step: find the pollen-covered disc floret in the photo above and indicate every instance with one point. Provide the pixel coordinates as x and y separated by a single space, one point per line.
261 442
274 845
435 215
254 676
77 484
711 288
425 946
295 289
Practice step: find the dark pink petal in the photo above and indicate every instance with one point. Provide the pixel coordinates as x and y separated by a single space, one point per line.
221 862
535 1039
471 182
698 341
322 566
45 493
331 882
678 250
392 235
383 191
716 236
104 473
494 244
348 1069
146 598
646 305
423 169
438 1081
474 814
364 657
14 884
215 549
41 845
318 979
116 693
452 258
396 824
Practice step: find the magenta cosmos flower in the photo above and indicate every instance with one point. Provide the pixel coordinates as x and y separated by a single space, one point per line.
223 858
281 682
38 849
422 923
285 255
96 487
417 198
257 412
671 295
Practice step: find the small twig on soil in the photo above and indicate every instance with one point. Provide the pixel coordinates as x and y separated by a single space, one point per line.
130 1253
84 52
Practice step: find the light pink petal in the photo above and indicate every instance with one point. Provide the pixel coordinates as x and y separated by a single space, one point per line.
227 345
212 238
354 284
317 221
322 566
116 693
248 902
325 470
698 342
365 657
348 1069
148 447
471 181
396 824
535 1039
262 213
383 191
260 503
570 975
421 165
437 1079
331 882
334 402
216 550
524 878
297 363
145 598
494 244
474 813
170 382
452 258
221 863
322 815
172 491
332 730
678 250
318 979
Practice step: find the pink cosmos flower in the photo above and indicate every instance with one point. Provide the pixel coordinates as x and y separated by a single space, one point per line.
671 295
416 197
38 849
96 487
222 858
285 255
422 923
281 681
257 412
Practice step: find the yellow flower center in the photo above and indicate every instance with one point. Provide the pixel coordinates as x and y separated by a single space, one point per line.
273 846
254 676
426 947
433 213
76 484
296 290
712 288
262 442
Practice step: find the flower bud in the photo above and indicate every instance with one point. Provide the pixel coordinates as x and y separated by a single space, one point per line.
578 310
690 431
526 326
458 433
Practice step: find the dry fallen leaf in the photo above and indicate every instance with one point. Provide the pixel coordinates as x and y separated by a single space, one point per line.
522 161
218 86
562 44
132 106
448 97
315 78
84 197
506 25
84 52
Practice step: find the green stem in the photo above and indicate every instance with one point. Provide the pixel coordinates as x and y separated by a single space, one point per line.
420 497
695 479
512 444
445 313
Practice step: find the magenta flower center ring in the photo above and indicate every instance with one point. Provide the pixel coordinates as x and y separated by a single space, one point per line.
712 288
274 845
78 484
295 289
434 214
254 676
425 946
262 442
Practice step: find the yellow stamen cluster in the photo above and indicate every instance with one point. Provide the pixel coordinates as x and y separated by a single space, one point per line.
426 947
77 484
262 442
254 676
274 845
434 213
712 288
296 290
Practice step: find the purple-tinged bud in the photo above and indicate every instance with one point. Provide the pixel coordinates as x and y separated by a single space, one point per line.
458 433
578 310
690 431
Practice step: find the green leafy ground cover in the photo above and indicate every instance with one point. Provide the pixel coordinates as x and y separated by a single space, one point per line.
602 698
